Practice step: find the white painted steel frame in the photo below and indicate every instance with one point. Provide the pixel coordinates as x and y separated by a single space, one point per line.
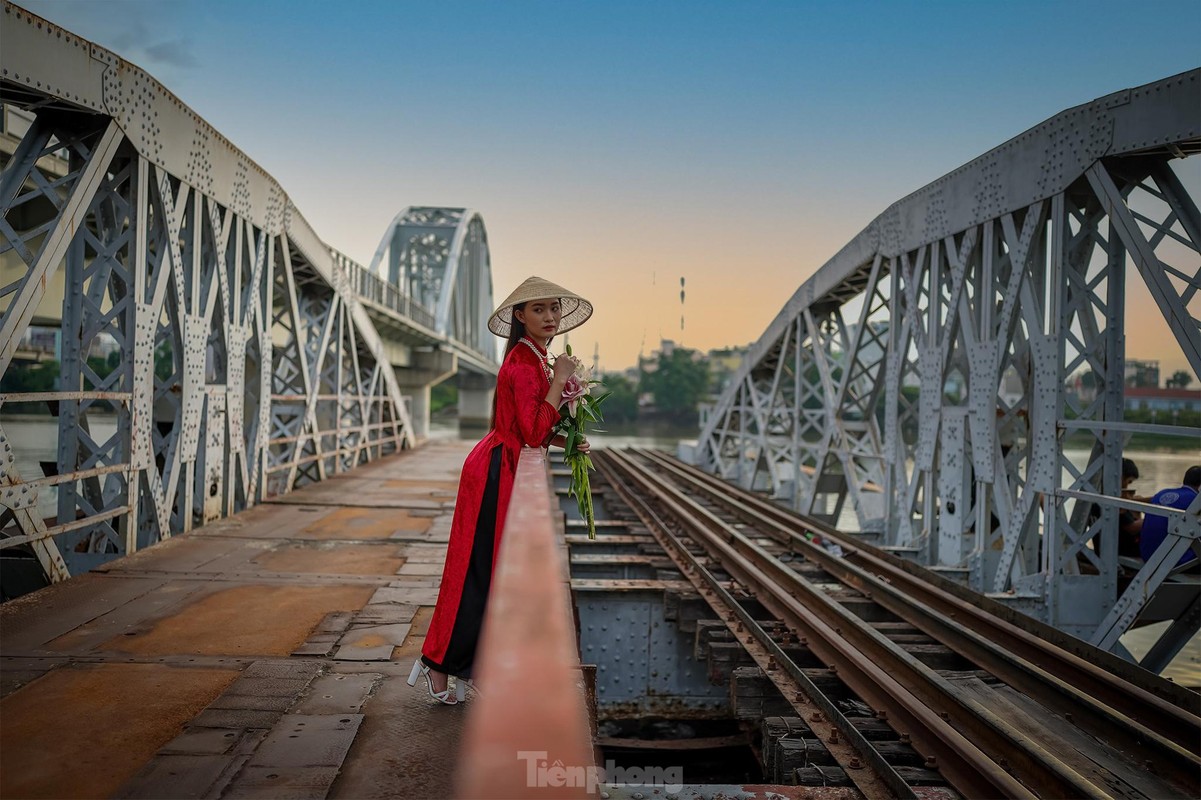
917 379
437 260
247 364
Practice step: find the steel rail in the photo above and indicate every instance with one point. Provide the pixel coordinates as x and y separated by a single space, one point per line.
1058 678
1175 763
873 667
882 780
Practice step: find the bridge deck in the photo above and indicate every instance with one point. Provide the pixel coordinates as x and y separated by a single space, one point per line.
257 656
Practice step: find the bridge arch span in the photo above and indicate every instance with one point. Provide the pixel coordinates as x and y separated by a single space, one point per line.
439 256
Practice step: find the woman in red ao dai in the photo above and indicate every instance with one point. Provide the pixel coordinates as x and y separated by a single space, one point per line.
526 408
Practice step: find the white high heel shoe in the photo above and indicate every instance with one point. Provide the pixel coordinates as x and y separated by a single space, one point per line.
443 696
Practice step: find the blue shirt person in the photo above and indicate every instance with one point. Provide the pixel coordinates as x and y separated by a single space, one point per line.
1155 527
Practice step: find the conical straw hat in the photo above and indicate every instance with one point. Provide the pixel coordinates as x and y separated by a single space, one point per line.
576 310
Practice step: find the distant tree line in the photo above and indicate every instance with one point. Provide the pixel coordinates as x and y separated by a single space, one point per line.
678 384
44 377
1179 380
675 387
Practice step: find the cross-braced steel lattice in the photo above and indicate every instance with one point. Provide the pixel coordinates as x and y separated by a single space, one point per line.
439 257
915 388
213 350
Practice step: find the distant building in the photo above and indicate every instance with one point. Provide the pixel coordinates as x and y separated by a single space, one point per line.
1011 389
1141 373
955 387
667 348
103 346
651 363
36 345
723 363
1152 398
40 339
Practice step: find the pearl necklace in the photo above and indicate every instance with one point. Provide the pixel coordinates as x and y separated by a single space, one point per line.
546 370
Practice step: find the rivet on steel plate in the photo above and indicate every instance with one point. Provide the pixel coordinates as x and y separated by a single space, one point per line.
815 716
834 736
905 738
931 762
854 764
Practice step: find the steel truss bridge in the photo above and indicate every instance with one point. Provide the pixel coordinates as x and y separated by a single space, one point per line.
247 357
914 387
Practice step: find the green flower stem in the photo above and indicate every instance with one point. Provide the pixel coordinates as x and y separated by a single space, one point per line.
572 430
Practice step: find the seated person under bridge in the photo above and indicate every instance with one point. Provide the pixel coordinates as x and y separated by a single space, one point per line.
1155 526
1130 523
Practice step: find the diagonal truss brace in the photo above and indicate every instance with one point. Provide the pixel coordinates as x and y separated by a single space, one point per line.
20 312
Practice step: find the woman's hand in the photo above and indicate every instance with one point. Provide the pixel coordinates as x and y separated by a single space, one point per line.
564 366
582 445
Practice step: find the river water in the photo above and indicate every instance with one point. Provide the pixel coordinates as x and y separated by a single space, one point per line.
34 440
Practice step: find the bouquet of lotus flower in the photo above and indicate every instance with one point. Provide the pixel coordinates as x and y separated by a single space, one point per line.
578 409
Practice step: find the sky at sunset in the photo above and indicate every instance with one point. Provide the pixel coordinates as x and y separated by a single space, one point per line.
615 147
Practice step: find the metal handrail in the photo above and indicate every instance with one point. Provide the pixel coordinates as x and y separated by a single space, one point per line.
369 286
527 733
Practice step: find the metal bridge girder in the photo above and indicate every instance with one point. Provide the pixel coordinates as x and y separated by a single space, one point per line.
983 292
214 349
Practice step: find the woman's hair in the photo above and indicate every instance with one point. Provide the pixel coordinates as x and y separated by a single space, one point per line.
1192 477
516 331
1129 469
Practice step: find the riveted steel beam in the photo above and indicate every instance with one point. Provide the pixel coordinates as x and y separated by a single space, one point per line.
941 357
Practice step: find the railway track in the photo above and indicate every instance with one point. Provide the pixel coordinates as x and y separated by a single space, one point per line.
1032 719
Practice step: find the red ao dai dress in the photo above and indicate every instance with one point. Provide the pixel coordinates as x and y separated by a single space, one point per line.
523 419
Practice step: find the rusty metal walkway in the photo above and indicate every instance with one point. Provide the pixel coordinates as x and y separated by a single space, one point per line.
261 656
